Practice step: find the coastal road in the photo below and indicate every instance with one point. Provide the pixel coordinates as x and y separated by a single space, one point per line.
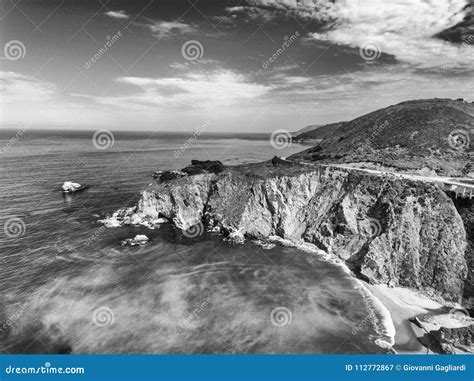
464 182
464 185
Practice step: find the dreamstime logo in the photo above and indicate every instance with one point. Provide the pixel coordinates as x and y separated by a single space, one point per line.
370 51
280 139
192 139
367 144
281 316
187 323
194 231
362 324
287 42
467 40
14 227
459 139
373 229
103 316
192 50
14 50
94 235
12 319
109 41
103 139
13 140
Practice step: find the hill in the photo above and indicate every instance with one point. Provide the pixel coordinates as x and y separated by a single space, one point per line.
432 135
314 132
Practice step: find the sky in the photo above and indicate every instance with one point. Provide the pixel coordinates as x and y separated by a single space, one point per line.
237 66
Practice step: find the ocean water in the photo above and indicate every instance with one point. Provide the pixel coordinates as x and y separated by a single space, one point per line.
68 286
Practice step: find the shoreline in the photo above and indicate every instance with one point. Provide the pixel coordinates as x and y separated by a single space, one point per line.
404 304
377 309
395 306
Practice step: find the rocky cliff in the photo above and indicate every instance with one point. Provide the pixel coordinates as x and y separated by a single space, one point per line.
387 230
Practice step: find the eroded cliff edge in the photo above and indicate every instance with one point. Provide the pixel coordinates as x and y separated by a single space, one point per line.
387 230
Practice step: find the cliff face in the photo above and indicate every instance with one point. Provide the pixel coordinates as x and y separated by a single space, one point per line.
387 230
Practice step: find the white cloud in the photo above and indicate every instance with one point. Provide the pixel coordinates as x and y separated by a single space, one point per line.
18 87
26 99
228 98
202 90
168 28
117 14
251 12
402 28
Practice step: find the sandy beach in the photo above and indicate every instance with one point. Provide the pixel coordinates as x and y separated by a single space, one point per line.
404 304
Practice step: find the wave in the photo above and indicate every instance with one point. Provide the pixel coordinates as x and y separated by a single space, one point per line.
379 315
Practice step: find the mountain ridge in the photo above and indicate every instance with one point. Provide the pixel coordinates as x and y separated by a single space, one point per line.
434 134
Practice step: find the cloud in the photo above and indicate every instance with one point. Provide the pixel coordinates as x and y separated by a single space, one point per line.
117 14
18 87
251 12
26 99
208 90
162 28
405 29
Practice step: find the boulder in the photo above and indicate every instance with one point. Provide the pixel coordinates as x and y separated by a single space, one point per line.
69 186
139 240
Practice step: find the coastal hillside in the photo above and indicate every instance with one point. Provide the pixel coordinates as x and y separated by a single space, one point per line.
314 132
432 135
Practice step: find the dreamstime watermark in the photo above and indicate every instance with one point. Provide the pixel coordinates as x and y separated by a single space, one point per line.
186 323
46 369
109 42
192 50
280 139
14 50
13 140
281 316
14 227
103 139
103 316
370 51
194 231
371 227
459 138
13 318
287 42
367 143
363 323
62 248
466 42
192 139
94 235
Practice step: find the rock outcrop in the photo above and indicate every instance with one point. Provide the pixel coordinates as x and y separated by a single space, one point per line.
138 240
454 340
387 230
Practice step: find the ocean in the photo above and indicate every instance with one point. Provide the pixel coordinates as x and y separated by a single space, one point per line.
68 286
